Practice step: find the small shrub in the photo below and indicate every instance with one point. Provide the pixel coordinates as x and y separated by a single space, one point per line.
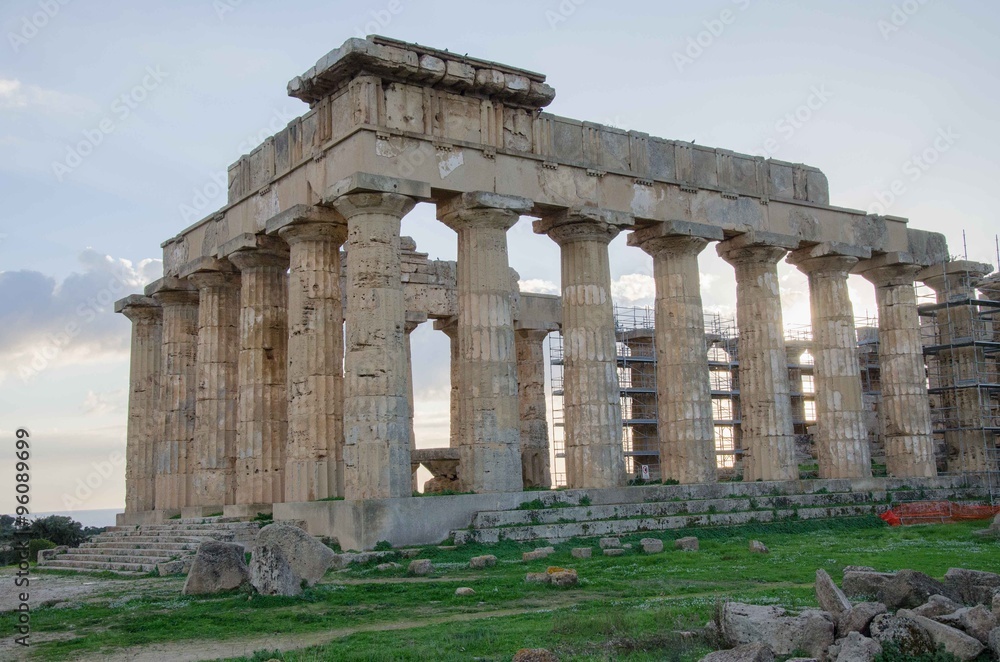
36 545
263 517
383 546
585 500
891 652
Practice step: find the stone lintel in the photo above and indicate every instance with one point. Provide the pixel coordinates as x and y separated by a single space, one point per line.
135 301
615 221
301 214
759 238
415 317
396 60
252 242
542 312
675 229
170 284
927 248
636 334
802 256
366 182
484 200
206 265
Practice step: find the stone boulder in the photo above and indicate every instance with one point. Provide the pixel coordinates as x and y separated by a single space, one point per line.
757 547
537 578
385 567
811 631
994 642
217 566
859 618
909 589
937 605
977 622
906 633
420 567
954 640
651 545
582 552
862 583
535 655
539 553
271 573
746 653
309 558
464 591
562 577
856 647
972 587
614 551
480 562
830 597
686 544
606 543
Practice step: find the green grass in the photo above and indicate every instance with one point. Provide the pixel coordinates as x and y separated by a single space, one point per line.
625 608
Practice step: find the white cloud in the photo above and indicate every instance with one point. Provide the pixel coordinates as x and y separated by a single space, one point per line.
633 289
109 402
15 95
538 286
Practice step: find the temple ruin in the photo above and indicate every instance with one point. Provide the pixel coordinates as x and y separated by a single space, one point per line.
271 367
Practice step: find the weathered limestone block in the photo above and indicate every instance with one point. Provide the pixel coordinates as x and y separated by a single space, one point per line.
841 438
420 567
605 543
314 454
582 552
262 432
954 640
216 422
859 618
480 562
905 408
217 566
594 455
686 544
686 431
830 597
755 652
488 405
308 557
651 545
768 442
537 578
376 411
173 449
858 648
906 633
464 592
864 583
937 605
271 573
972 587
144 427
909 588
758 547
811 631
535 470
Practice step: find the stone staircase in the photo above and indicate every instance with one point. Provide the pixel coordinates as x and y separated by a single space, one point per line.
167 547
560 515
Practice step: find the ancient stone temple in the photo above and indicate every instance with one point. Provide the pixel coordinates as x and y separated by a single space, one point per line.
271 363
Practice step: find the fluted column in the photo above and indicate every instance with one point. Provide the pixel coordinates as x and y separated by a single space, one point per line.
905 409
376 412
593 419
841 439
262 431
535 459
767 436
684 398
213 463
488 404
314 454
173 450
962 364
146 316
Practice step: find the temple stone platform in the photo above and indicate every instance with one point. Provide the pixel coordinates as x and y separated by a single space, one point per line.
556 515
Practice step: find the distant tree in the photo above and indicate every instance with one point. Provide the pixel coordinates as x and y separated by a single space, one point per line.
6 526
59 529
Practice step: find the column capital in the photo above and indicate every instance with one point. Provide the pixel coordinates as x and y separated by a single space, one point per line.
248 251
483 209
753 246
308 223
365 193
956 274
583 224
137 307
674 237
990 287
210 272
828 257
891 275
535 335
171 290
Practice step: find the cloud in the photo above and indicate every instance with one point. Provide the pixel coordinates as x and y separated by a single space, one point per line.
538 286
15 95
109 402
634 289
44 322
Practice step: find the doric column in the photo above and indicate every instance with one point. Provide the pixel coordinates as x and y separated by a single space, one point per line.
213 479
173 449
535 460
961 363
262 431
841 437
314 454
593 418
684 398
450 328
376 412
146 316
767 436
905 408
488 404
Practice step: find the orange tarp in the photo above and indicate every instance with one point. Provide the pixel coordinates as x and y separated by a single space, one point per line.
924 512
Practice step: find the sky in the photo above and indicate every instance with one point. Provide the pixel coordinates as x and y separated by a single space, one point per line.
118 120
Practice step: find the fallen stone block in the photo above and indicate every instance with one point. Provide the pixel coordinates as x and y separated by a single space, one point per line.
956 642
485 561
859 618
862 582
972 587
464 591
858 648
906 633
217 566
755 652
605 543
384 567
308 557
686 544
937 605
612 551
829 596
537 578
564 578
811 631
651 545
582 552
420 567
757 547
535 555
271 573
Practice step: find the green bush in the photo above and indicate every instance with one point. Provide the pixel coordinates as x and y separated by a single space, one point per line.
36 545
891 652
383 546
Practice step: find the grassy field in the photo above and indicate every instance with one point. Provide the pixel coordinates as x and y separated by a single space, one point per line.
632 607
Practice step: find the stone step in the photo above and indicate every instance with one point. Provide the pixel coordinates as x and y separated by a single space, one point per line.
97 566
613 527
125 551
151 546
123 557
154 539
